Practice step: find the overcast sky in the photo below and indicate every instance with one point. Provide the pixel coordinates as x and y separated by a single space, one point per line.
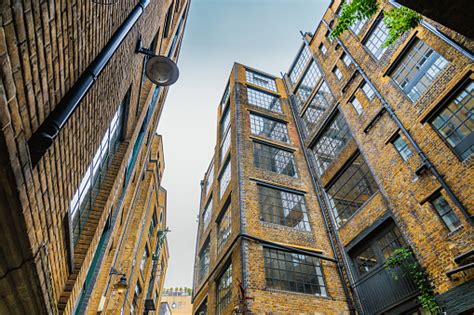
263 34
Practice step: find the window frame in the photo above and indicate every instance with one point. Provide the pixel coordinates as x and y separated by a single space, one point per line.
252 77
282 123
377 26
227 297
226 210
261 102
337 73
405 147
359 109
439 195
288 153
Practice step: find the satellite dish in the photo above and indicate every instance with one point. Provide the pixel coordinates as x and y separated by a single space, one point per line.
161 70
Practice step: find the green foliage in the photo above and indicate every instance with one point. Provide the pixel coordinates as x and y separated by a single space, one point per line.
351 12
403 257
398 21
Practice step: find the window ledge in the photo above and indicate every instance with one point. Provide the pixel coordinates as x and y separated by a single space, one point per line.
284 227
299 293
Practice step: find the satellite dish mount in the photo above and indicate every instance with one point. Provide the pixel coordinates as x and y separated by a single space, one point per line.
160 70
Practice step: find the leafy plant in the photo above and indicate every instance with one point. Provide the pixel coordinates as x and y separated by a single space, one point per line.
398 21
403 257
351 12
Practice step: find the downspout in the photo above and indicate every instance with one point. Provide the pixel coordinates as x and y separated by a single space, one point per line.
329 228
43 138
424 159
243 254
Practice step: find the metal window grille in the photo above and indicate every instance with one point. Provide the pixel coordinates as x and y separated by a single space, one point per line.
357 106
368 91
83 199
273 159
293 272
322 100
357 26
376 39
389 242
206 215
225 178
331 142
351 190
402 148
446 213
283 208
455 123
323 49
204 261
209 179
418 69
267 127
224 290
261 80
224 227
263 100
308 83
300 64
337 73
346 59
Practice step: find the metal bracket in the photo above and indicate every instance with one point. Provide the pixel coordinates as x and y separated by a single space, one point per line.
139 49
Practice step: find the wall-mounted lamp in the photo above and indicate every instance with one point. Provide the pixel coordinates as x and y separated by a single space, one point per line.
160 70
122 284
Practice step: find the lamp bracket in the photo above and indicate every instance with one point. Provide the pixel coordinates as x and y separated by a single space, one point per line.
139 49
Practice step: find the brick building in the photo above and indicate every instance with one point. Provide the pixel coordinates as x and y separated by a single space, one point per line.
83 212
317 177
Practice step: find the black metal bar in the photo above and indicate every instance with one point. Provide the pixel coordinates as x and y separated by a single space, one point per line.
459 269
419 151
43 138
463 256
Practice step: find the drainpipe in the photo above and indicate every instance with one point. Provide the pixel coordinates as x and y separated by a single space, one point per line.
43 138
322 204
424 159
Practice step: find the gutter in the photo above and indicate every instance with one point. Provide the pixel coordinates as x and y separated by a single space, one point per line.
43 138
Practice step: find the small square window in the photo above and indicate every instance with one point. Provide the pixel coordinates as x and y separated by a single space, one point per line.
337 73
402 148
368 91
346 59
357 106
323 49
446 213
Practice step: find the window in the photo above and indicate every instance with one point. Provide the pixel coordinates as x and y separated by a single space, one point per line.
308 83
224 290
206 215
322 100
376 39
146 253
446 213
261 80
204 261
83 199
225 145
283 208
136 295
352 188
418 69
263 100
357 26
225 133
168 21
337 73
267 127
379 247
368 91
293 272
455 122
331 142
402 148
209 179
300 65
357 106
323 49
224 227
346 59
273 159
224 178
225 97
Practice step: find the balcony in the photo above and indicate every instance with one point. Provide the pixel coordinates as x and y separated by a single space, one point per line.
379 291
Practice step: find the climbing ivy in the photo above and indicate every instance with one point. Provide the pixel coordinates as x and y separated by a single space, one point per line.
403 257
398 21
351 12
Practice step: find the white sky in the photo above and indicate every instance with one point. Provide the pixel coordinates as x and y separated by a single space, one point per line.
263 34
